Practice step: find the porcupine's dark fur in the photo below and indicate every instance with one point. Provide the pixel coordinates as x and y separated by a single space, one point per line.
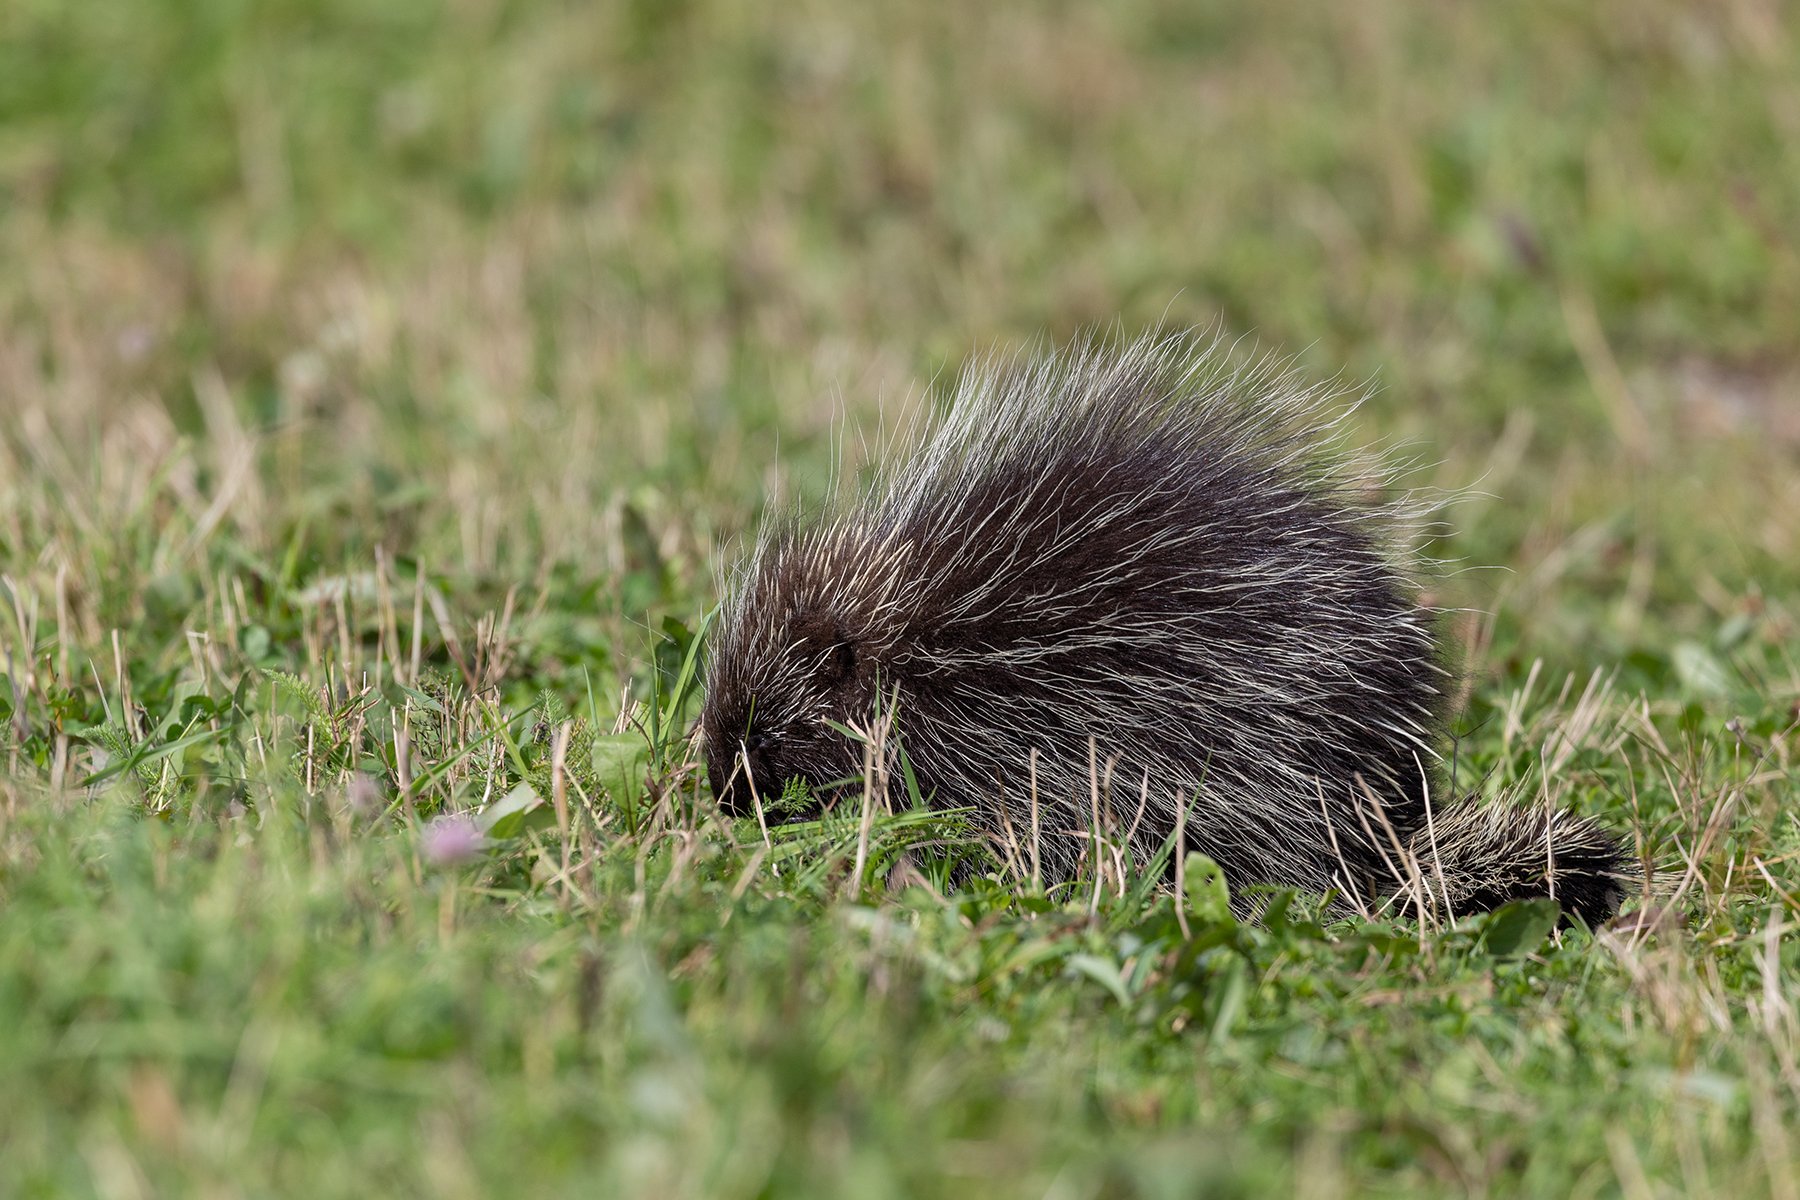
1163 554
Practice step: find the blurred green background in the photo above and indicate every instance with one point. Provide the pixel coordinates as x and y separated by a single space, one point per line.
520 259
359 340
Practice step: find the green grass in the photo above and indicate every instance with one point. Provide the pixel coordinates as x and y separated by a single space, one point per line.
380 386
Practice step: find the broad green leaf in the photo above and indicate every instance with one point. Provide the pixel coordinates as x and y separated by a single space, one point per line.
1520 927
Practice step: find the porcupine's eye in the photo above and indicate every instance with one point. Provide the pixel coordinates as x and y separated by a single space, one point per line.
842 663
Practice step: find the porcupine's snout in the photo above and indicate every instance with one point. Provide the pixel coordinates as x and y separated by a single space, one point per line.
756 766
733 769
784 677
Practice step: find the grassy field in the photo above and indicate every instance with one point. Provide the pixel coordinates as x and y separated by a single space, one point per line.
381 386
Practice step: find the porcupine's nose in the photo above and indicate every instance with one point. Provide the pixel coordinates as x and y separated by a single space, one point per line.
724 787
731 777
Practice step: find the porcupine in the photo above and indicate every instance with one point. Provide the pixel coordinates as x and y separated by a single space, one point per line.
1155 560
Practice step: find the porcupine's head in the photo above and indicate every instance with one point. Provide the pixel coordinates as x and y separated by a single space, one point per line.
799 645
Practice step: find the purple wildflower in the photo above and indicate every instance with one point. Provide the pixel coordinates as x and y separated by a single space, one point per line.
452 839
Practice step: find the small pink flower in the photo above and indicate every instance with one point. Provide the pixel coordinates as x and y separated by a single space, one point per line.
452 839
